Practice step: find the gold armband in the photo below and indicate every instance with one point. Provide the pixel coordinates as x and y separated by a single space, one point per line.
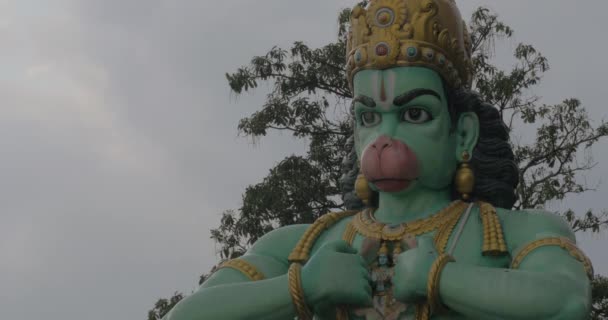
432 288
244 267
301 252
296 292
561 242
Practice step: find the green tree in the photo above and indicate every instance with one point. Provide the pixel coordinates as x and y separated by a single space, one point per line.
600 298
163 306
310 99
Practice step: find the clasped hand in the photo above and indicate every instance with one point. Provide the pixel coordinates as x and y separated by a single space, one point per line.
412 271
336 275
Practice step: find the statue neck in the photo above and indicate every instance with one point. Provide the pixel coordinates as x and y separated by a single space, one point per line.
417 204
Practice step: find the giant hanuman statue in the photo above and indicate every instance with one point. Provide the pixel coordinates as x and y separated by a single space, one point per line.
436 239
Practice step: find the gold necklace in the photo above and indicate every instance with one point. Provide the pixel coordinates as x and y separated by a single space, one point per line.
365 224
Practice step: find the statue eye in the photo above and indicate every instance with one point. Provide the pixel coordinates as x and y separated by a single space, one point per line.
370 119
416 115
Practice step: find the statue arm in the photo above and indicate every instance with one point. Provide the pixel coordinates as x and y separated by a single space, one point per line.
254 288
266 299
549 283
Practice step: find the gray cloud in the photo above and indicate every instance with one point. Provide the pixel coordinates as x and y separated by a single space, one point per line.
119 144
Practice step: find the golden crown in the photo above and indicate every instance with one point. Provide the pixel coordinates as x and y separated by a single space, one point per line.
427 33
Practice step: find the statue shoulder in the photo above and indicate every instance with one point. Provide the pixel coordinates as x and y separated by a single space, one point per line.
279 243
523 226
295 242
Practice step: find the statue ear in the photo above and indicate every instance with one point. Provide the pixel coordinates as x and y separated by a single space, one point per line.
467 134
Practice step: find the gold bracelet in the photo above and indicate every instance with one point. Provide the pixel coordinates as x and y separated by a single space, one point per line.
246 268
432 288
297 294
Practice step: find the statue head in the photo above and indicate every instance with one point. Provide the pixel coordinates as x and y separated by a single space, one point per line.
409 68
404 134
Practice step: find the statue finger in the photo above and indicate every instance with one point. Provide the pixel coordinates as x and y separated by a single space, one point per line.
365 275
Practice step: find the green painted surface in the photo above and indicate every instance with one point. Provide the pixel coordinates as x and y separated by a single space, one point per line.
549 284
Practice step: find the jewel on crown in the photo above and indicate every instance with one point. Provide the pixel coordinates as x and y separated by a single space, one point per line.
427 33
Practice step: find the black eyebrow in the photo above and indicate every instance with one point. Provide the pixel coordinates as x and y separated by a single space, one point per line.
413 94
365 100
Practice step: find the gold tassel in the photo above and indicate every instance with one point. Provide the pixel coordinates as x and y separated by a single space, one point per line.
493 238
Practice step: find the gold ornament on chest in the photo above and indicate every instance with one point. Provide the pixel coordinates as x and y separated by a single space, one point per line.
389 240
443 222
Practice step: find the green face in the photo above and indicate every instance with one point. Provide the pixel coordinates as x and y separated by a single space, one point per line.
408 105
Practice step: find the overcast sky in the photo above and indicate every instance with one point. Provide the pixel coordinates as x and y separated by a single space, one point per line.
119 147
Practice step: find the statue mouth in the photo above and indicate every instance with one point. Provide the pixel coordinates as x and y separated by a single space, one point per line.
392 185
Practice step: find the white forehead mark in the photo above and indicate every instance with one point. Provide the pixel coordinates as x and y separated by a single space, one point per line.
376 86
391 86
389 78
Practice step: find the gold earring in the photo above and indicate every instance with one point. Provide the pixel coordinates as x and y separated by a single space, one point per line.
465 179
362 189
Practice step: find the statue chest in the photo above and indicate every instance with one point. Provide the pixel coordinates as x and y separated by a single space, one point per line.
381 258
381 248
472 236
